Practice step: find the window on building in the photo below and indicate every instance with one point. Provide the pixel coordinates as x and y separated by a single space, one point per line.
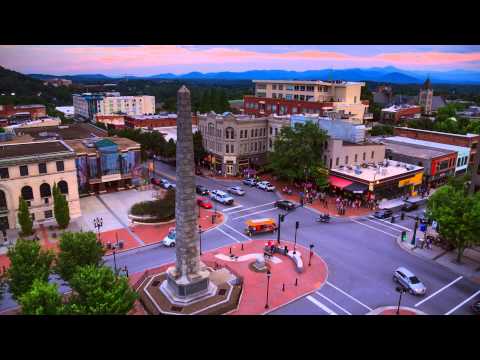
274 87
274 108
226 148
45 190
274 95
356 158
324 159
354 99
346 160
288 96
271 131
280 96
302 97
373 154
337 161
256 132
252 133
42 168
295 97
270 144
330 164
232 148
364 156
276 131
310 88
23 170
4 173
63 187
48 214
60 166
256 146
280 87
290 87
27 193
32 216
294 110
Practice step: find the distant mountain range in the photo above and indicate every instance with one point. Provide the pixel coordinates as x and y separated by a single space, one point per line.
387 74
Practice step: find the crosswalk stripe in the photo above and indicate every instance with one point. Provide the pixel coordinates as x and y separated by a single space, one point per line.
232 208
230 236
348 295
258 212
438 291
333 303
374 228
462 303
389 223
253 207
388 227
238 232
321 306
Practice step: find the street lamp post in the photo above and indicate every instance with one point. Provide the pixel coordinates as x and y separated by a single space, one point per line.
281 218
401 290
114 261
297 224
311 254
268 286
200 234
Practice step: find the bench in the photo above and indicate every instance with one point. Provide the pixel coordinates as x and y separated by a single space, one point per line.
296 258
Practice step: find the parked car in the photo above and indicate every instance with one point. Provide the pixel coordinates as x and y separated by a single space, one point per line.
409 281
476 307
169 240
237 190
409 206
285 204
156 181
265 185
383 213
204 203
222 197
201 190
250 182
166 184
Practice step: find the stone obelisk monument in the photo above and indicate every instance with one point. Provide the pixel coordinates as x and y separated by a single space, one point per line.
188 280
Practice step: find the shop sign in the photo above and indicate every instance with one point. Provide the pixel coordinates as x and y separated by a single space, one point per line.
370 187
414 180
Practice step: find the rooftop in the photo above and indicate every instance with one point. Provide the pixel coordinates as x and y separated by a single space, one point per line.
395 108
29 106
406 140
88 146
15 150
311 82
416 151
65 132
384 170
438 132
153 117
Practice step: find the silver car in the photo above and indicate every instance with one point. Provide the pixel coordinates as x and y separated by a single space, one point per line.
409 281
237 190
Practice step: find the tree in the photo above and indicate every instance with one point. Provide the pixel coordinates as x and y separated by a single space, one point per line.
457 214
42 299
60 208
378 130
3 283
97 291
199 151
298 152
28 262
24 218
77 249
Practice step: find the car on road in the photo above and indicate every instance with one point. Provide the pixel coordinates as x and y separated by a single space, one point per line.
204 203
476 307
156 182
169 240
285 205
383 213
222 197
237 190
201 190
250 182
409 206
408 280
265 185
166 184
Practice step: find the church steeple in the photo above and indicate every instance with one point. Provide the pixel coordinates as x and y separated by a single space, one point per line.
427 84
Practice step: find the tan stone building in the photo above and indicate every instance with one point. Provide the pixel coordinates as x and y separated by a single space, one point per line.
29 170
344 153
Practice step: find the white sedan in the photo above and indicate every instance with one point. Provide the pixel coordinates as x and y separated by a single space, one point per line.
237 190
265 185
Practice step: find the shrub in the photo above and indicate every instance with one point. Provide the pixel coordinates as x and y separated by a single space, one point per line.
159 210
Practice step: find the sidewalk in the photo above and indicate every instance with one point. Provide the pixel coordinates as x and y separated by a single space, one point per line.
469 268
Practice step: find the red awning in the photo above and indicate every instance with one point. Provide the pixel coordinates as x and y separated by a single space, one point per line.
339 182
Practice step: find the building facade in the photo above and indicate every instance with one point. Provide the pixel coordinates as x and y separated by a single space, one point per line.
29 170
344 153
111 121
284 97
396 113
29 112
425 97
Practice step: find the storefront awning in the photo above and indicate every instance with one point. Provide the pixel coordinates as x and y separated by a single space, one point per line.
356 188
339 182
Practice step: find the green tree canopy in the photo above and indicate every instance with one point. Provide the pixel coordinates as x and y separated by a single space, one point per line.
77 249
24 218
298 152
42 299
27 263
97 291
199 151
60 208
457 214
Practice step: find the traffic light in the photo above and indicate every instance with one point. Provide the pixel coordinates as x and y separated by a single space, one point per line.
297 224
282 217
404 236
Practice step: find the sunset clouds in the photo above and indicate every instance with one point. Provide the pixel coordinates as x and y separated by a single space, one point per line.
154 59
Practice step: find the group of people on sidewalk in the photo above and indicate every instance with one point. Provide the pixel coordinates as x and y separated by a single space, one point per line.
342 204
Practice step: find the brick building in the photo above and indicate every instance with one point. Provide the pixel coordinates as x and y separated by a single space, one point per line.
115 121
29 112
469 140
154 121
396 113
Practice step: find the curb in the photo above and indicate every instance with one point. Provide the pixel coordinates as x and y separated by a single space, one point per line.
377 311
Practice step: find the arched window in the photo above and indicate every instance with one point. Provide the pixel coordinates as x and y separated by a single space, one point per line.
45 190
63 186
229 133
211 129
27 193
3 200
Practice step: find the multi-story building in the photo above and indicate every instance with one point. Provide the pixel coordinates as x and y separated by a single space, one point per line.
292 97
111 163
396 113
235 142
88 105
111 121
28 112
425 97
469 140
29 170
154 121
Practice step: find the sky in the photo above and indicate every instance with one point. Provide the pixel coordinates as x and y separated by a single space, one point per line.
145 60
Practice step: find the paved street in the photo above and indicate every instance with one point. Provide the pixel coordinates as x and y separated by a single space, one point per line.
361 254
